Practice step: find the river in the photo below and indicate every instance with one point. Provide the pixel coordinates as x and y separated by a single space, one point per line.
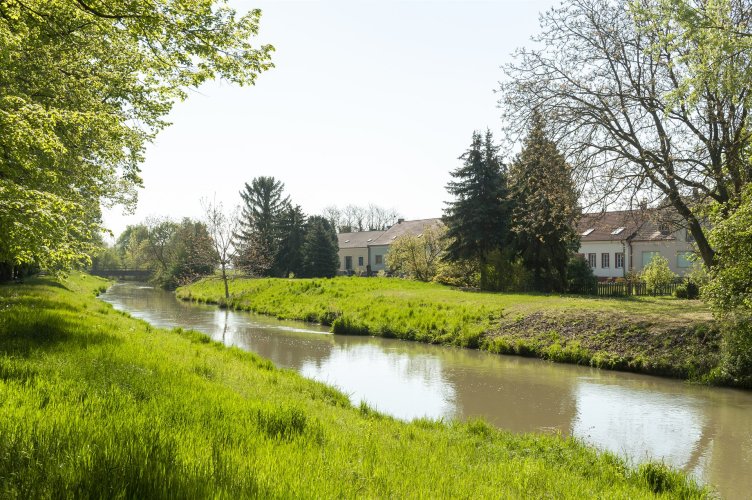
704 431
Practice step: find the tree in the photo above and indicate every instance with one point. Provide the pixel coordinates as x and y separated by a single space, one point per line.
191 253
657 275
262 209
130 246
477 219
292 230
84 87
221 228
357 218
417 256
320 258
545 210
625 88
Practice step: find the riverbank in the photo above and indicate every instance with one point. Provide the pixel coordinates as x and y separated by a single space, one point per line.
96 403
652 335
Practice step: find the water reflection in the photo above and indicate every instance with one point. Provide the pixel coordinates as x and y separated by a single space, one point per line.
705 431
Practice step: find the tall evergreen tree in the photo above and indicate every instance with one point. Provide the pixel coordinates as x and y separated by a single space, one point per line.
477 219
320 258
290 254
545 208
260 219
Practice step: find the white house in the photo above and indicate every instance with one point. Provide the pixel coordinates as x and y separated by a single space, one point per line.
619 242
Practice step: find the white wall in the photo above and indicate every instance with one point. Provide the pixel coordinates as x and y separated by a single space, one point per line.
611 248
375 250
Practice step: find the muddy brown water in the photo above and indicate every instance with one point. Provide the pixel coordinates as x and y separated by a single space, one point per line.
704 431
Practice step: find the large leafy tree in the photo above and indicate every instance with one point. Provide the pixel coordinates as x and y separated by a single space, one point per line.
84 87
646 98
320 258
418 256
477 218
545 208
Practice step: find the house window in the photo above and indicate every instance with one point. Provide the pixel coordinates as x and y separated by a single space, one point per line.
688 236
605 260
685 260
591 258
619 260
348 263
360 261
379 259
647 257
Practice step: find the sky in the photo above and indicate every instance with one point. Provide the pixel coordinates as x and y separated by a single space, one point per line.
369 102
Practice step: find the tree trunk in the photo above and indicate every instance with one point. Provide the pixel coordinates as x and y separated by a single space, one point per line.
224 279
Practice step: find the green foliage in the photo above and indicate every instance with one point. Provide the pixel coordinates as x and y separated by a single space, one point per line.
98 403
687 290
580 277
657 274
545 208
84 88
477 218
460 273
736 362
418 256
320 258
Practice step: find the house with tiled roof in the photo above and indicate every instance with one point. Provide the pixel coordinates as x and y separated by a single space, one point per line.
619 242
353 250
378 248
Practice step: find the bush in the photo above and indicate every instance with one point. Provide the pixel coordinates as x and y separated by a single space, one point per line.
464 274
657 274
580 277
736 349
688 290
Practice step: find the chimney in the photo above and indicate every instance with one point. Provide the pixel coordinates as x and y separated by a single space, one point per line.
400 221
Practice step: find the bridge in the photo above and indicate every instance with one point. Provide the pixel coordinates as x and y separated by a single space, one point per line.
134 274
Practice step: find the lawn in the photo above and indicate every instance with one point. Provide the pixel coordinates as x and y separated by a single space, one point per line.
660 335
94 403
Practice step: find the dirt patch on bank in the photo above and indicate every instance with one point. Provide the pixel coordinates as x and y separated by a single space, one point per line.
686 349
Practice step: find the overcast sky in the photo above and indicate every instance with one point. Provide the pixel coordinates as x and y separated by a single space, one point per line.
369 102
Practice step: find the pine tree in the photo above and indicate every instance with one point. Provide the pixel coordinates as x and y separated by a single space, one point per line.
263 206
477 219
290 254
320 257
545 209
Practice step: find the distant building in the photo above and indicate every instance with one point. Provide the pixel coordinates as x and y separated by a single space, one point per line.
353 250
620 242
359 250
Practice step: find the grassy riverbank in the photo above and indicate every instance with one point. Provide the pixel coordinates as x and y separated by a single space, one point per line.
658 335
96 403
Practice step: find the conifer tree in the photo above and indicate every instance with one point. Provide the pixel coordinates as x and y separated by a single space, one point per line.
545 208
292 229
477 219
320 258
259 225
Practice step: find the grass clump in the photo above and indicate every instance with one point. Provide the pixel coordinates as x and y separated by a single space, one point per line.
94 403
657 335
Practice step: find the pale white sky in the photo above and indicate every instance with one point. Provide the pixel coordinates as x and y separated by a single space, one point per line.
369 102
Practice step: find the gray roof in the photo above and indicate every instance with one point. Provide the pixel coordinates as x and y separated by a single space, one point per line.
359 239
635 225
413 227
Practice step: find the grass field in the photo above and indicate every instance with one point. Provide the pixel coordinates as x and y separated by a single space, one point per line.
94 403
659 335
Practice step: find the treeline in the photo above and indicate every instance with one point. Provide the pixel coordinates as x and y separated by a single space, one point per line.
356 218
267 235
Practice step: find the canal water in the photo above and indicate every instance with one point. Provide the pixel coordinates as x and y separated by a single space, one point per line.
704 431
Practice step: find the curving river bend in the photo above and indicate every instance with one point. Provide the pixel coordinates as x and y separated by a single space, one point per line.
705 431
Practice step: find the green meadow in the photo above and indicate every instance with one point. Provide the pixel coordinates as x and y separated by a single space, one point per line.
94 403
658 335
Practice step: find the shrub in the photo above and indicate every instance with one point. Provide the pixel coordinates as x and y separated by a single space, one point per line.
688 290
736 348
657 274
580 277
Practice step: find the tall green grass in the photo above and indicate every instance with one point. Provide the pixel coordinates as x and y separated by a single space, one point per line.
663 336
95 403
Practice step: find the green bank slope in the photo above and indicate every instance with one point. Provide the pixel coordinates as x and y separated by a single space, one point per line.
656 335
95 403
